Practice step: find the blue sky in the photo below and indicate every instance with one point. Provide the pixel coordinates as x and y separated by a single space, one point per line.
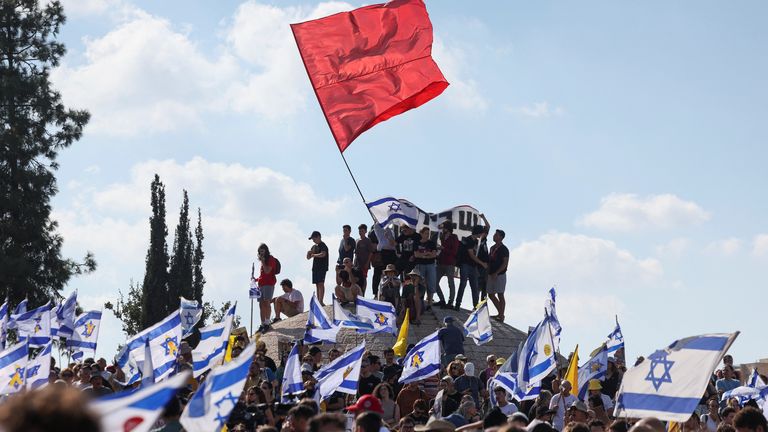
620 146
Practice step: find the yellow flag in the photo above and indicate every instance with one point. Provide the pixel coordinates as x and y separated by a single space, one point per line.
402 337
228 352
572 376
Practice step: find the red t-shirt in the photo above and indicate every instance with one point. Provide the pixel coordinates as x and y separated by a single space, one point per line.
268 278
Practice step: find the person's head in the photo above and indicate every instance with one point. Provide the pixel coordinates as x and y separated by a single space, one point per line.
54 408
286 285
498 236
406 424
383 391
519 420
347 263
390 271
713 406
251 396
728 371
389 355
728 360
490 361
333 354
96 379
375 363
545 414
579 412
84 374
101 362
311 404
728 414
456 368
299 416
477 231
415 276
405 229
574 426
267 388
446 227
595 388
317 355
544 397
328 422
344 276
316 237
494 418
750 420
619 426
368 422
448 321
424 233
263 251
446 383
724 427
467 409
365 366
650 423
346 230
596 426
68 375
501 395
362 229
565 388
734 403
420 407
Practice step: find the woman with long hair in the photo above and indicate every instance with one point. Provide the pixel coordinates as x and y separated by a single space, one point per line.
387 397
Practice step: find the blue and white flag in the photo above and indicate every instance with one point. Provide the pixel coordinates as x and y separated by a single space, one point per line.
147 368
13 368
210 407
164 339
341 375
755 381
65 316
551 309
320 328
392 210
478 325
21 307
382 315
537 357
595 368
85 334
3 324
615 339
669 383
39 368
506 377
343 318
191 312
213 344
292 383
422 361
139 410
254 293
35 326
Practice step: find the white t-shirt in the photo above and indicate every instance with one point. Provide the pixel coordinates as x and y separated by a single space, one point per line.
508 409
295 296
561 404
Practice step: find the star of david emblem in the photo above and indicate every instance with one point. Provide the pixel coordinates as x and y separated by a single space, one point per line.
32 372
222 417
89 328
417 359
171 346
395 206
16 380
190 318
381 319
659 358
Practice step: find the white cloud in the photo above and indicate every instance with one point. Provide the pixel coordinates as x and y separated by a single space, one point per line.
628 212
463 92
760 245
673 248
539 110
725 247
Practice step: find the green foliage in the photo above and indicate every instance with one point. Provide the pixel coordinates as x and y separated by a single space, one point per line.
198 280
34 127
154 294
218 314
180 273
128 310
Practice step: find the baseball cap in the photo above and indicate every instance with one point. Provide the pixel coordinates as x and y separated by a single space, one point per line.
367 403
579 405
314 234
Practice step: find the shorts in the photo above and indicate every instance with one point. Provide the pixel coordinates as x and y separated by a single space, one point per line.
267 291
318 276
497 285
290 309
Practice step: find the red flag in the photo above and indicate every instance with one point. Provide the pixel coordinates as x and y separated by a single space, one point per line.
370 64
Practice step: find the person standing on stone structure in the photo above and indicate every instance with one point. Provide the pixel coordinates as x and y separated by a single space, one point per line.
319 256
446 261
451 339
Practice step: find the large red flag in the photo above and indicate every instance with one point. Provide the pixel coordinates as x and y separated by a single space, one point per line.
369 64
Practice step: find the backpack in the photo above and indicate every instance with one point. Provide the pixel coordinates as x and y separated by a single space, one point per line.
278 266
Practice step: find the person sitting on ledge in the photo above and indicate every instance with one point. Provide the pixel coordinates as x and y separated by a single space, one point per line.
347 291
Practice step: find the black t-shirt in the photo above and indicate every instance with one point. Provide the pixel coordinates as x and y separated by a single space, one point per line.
366 384
467 244
482 251
346 254
497 258
407 244
428 246
320 264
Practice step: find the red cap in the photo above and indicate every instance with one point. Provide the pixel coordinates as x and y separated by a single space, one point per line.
367 403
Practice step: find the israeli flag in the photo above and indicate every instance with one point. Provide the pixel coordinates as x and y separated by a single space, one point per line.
537 357
343 318
755 381
39 368
212 347
65 316
164 339
478 325
381 314
551 309
210 407
3 324
422 361
35 326
21 307
139 410
595 368
85 333
400 212
191 312
253 291
341 375
615 339
506 377
13 368
292 382
320 328
669 383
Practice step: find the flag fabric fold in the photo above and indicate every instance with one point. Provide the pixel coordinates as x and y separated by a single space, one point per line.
65 316
164 340
341 375
537 357
212 347
615 339
551 308
35 325
292 383
85 333
3 324
669 383
595 368
343 318
572 375
401 344
478 325
382 315
423 360
13 367
320 328
191 312
369 64
210 407
39 368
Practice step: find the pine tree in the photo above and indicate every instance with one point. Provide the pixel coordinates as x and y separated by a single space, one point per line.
180 274
154 306
34 127
198 280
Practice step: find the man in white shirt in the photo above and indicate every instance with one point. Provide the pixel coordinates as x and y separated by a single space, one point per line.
561 402
289 304
501 400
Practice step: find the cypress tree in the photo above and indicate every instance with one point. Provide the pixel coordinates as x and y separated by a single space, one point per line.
34 127
198 280
180 274
155 287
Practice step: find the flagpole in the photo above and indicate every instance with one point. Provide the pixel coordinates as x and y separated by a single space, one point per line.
552 340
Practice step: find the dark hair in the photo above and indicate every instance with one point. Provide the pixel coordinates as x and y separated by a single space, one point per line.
363 226
494 418
391 393
599 423
320 422
347 227
173 408
619 426
390 350
286 282
266 428
750 418
369 421
302 411
725 412
54 408
375 359
576 427
420 404
266 249
542 427
725 427
344 275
